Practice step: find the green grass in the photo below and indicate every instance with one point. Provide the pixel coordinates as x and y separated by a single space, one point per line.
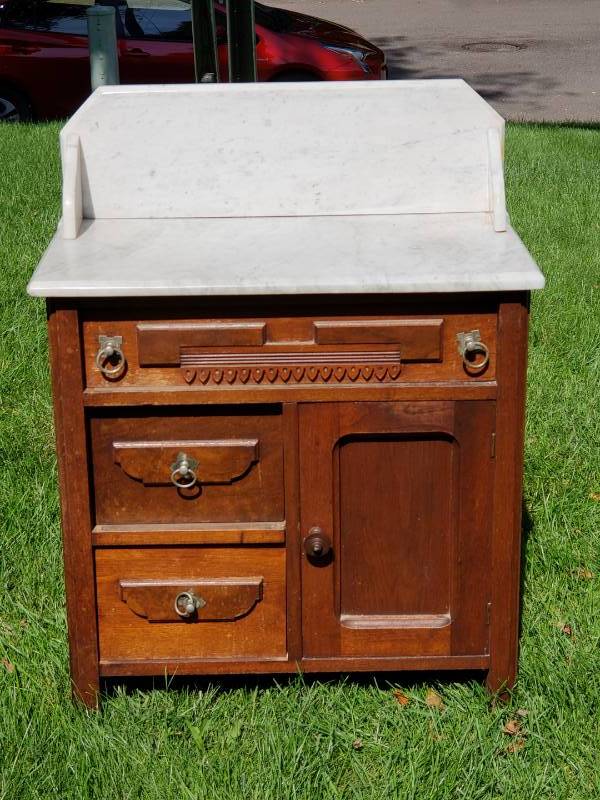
295 739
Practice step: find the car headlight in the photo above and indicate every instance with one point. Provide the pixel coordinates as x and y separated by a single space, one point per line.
357 53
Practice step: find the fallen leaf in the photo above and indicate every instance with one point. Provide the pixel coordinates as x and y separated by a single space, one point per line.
8 665
584 573
400 697
357 744
433 700
522 712
516 745
567 630
595 496
512 727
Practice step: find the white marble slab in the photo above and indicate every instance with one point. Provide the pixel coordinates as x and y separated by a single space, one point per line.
286 255
276 149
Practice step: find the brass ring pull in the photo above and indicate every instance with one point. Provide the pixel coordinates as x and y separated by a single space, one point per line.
110 348
481 363
186 604
183 473
470 344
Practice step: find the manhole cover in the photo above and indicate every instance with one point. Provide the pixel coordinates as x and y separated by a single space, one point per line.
492 47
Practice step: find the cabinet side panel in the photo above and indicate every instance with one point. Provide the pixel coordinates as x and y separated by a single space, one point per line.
506 546
67 388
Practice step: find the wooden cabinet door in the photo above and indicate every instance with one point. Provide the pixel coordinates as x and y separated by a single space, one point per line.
402 492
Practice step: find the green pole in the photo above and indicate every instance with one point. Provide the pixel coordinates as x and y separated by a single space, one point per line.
241 36
102 38
206 62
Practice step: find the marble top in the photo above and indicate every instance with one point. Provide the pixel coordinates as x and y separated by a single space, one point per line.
286 255
239 189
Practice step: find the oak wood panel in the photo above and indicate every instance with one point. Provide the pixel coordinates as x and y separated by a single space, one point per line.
475 430
506 547
392 506
160 343
276 665
218 533
220 460
369 629
321 429
293 534
219 599
192 395
297 334
255 496
418 340
71 446
124 635
396 496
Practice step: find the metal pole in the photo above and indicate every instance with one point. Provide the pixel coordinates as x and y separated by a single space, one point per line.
102 38
206 61
241 36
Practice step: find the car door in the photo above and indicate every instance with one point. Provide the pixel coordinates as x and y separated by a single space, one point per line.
47 46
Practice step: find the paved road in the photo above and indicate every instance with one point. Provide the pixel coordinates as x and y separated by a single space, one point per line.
552 72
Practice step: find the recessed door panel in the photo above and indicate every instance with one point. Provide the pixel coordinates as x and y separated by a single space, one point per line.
396 495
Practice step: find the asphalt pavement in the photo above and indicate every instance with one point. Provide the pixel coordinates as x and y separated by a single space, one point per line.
531 59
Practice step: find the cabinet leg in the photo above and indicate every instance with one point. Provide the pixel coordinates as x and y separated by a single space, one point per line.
88 694
501 675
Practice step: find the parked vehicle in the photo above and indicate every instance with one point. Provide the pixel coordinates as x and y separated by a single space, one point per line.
44 62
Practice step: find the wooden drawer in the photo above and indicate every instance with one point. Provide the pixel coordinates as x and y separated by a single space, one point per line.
289 352
238 597
235 454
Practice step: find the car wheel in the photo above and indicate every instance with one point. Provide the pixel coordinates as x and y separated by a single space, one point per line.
296 75
14 106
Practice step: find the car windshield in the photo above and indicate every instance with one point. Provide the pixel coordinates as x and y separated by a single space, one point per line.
274 19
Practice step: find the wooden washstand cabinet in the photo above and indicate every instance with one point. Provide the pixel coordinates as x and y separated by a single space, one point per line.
288 330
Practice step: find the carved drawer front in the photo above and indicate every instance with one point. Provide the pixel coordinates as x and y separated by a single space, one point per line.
182 603
206 466
286 352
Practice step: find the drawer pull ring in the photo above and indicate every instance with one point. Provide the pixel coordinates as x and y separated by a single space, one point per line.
111 351
187 603
470 344
183 473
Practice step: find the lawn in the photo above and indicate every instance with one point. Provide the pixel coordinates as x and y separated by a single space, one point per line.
343 738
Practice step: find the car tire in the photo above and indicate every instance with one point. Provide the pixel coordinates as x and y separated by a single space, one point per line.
14 106
293 76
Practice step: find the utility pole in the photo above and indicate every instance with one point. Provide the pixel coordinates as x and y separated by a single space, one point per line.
206 61
241 38
102 39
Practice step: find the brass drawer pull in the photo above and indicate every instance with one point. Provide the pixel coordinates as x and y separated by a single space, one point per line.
111 351
470 344
183 473
187 603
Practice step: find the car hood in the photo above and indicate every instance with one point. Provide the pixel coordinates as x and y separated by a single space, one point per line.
283 21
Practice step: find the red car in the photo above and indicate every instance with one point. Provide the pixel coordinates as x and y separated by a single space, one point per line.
44 66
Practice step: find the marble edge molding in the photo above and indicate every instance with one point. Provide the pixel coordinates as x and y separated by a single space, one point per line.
503 282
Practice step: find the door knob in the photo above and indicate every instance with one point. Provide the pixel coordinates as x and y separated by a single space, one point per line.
317 544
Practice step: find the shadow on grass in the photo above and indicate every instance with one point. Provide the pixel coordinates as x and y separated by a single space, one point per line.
232 683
